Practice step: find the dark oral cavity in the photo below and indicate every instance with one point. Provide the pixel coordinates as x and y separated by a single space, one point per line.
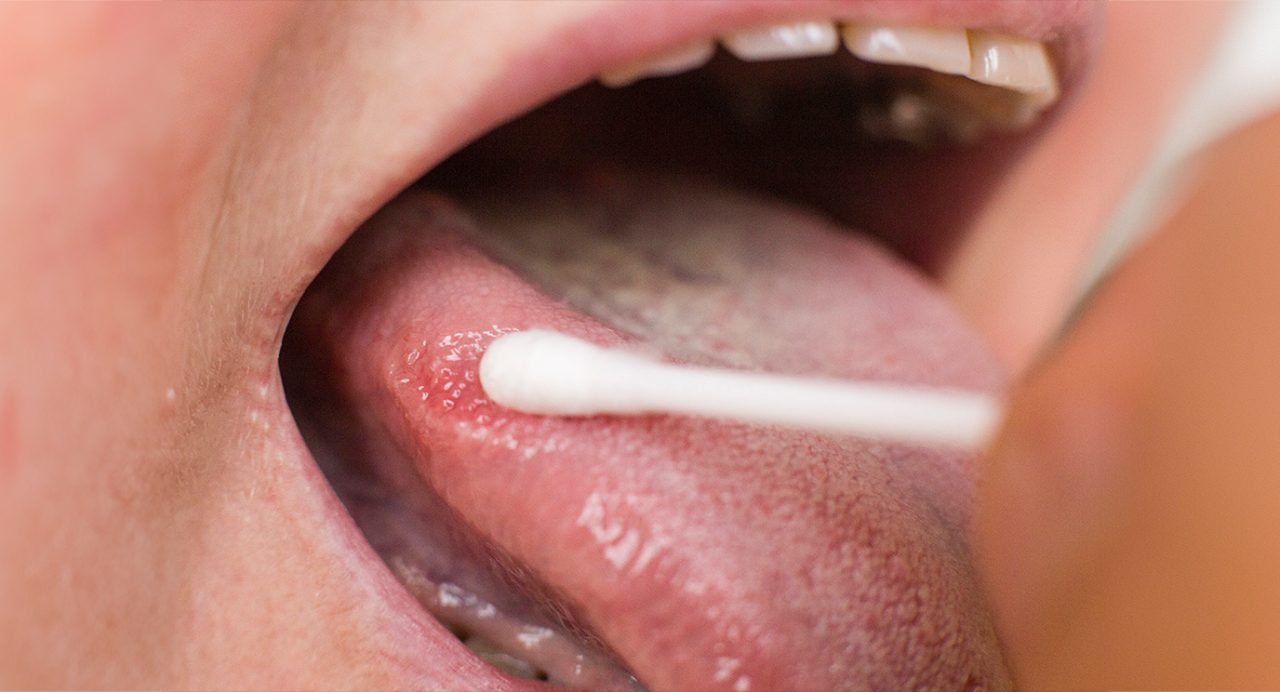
801 129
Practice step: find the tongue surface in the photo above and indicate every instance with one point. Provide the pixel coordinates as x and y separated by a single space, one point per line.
706 554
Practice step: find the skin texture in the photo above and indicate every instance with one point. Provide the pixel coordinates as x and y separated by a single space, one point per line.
175 175
1153 427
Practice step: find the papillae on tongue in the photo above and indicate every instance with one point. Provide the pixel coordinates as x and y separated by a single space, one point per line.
706 554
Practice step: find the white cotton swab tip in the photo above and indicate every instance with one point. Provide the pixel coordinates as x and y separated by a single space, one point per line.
545 372
549 373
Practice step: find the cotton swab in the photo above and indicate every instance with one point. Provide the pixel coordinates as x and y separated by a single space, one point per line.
545 372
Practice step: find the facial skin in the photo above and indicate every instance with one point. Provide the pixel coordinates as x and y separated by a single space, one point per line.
174 177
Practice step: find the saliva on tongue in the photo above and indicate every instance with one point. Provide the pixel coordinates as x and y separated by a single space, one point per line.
705 554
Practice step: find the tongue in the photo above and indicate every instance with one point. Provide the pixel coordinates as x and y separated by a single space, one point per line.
705 554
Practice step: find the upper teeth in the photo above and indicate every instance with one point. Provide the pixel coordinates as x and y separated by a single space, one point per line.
1011 62
939 49
680 59
784 41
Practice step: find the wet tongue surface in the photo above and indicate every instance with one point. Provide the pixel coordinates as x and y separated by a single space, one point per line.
706 554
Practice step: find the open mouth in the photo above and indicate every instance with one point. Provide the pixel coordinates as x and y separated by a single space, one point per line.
761 192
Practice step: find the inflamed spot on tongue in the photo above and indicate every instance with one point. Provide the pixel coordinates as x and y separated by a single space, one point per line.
544 372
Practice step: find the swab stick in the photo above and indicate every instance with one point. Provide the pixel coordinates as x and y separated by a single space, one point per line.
544 372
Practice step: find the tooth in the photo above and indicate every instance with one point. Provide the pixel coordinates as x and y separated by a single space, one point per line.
503 661
1014 63
687 57
796 40
939 49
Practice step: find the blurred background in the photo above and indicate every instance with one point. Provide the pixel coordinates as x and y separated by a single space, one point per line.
1238 83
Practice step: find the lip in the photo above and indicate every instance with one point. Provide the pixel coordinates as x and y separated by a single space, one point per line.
615 34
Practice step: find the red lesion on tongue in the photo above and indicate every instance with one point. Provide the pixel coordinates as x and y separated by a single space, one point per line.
709 555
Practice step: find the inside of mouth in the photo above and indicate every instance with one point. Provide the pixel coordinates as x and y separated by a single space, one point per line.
905 154
821 132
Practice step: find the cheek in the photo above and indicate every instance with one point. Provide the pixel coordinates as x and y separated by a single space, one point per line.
112 124
124 113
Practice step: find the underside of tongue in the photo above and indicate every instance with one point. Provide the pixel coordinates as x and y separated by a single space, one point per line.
692 553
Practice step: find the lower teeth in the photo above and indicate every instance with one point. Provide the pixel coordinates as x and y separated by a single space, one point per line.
516 648
416 547
505 662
